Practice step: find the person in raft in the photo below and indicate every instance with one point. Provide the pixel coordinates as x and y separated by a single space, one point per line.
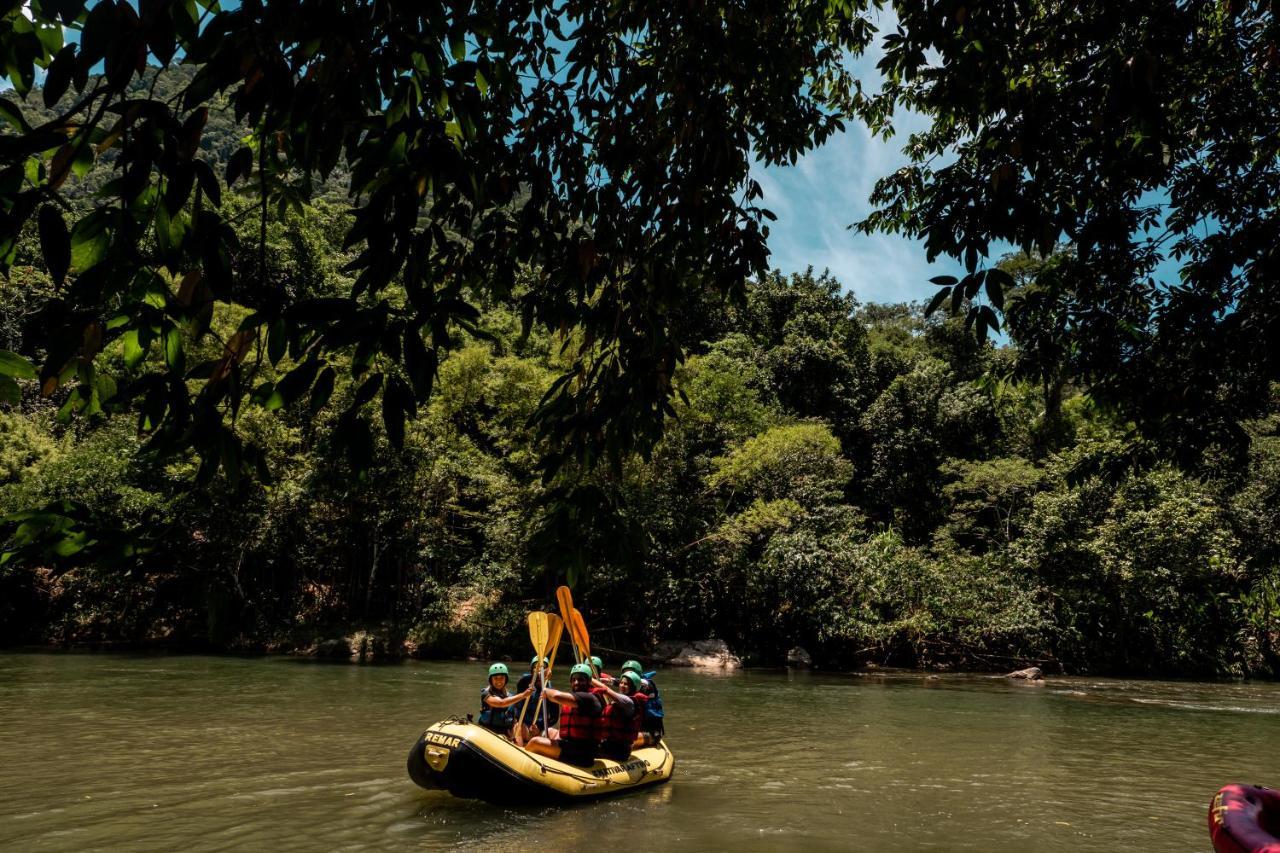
620 722
534 720
597 668
496 711
651 729
580 710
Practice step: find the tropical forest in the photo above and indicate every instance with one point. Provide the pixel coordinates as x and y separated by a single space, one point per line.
356 330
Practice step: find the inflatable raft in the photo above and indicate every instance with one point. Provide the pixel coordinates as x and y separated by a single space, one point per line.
1245 819
470 761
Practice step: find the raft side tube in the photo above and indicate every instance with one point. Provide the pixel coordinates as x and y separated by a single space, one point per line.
1245 819
419 771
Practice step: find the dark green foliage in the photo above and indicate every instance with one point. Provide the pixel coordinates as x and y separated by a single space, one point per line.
328 322
1134 132
943 530
475 142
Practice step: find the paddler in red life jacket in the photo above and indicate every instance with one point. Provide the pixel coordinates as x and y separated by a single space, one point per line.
579 730
620 722
496 713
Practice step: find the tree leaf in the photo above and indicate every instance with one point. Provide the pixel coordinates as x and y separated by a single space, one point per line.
322 390
997 282
55 242
298 380
173 355
59 74
936 301
10 393
15 366
208 182
134 351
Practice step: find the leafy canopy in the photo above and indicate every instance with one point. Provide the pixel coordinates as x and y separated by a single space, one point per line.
1137 132
585 163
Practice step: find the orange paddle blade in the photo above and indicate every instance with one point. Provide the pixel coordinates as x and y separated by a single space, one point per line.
553 643
578 630
565 599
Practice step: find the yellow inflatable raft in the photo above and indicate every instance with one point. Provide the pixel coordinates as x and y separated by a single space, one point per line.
470 761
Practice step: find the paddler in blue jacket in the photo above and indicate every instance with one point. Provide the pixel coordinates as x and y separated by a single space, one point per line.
496 713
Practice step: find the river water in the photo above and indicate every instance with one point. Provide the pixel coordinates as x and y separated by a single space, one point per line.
106 752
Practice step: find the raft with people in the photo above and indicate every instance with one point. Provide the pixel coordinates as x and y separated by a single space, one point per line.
470 761
602 736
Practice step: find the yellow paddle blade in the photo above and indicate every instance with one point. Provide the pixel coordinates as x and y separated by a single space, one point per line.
539 632
565 599
578 630
553 643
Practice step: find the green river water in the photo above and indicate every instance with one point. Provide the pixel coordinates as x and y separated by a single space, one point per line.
107 752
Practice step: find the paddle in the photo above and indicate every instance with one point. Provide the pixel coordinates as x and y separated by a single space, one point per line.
565 599
578 630
539 636
557 628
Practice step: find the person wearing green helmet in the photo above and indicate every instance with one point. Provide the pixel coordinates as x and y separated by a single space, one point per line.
652 726
496 711
622 717
597 667
578 737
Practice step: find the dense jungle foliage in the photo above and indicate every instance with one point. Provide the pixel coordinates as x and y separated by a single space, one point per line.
854 479
393 314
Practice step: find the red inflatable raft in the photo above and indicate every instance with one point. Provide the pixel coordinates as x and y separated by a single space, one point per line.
1245 819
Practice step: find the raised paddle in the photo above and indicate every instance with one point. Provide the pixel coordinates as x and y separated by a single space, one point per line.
565 599
557 628
553 645
539 636
578 630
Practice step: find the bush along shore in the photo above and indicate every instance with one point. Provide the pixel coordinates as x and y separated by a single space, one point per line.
853 481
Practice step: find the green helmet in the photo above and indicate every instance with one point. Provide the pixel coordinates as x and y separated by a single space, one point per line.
633 677
534 662
597 663
582 669
633 666
498 669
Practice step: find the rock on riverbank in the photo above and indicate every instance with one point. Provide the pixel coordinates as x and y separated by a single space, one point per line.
706 654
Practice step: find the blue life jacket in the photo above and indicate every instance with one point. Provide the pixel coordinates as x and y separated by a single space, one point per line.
653 708
496 719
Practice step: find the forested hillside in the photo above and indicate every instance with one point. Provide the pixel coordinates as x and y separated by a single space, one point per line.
852 478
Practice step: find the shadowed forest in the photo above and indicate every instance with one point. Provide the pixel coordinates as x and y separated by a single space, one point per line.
871 482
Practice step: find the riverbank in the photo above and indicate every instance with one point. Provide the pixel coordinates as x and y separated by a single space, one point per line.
372 648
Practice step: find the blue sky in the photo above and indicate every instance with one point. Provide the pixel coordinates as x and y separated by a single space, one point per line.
827 190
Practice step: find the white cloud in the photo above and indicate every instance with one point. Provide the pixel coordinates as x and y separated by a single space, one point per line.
828 190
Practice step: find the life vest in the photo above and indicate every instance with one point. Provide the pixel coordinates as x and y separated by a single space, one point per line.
617 727
576 725
496 719
653 707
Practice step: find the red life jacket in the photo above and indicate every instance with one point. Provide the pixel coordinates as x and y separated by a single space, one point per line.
616 727
577 725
